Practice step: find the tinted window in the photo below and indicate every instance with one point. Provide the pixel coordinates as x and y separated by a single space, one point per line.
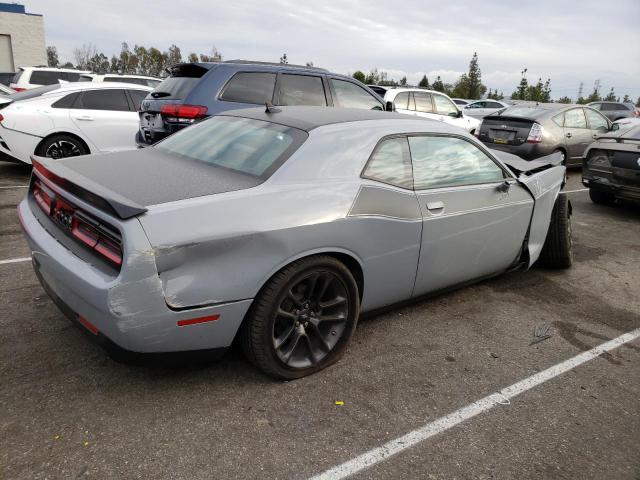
460 102
402 100
391 163
447 161
112 99
250 88
66 101
575 118
137 81
137 96
39 77
444 106
248 146
350 95
182 80
301 90
596 120
423 102
612 107
477 105
494 105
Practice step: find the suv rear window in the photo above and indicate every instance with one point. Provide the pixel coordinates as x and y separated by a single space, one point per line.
175 87
252 147
250 87
46 77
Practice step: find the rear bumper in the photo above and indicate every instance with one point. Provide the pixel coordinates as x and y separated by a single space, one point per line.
128 311
20 145
604 184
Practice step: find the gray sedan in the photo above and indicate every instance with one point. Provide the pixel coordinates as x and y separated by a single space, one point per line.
282 226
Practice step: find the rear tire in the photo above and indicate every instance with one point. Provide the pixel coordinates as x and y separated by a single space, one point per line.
61 146
601 197
302 319
557 251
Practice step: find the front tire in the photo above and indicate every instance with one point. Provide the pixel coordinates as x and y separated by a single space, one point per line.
302 319
601 197
557 251
61 146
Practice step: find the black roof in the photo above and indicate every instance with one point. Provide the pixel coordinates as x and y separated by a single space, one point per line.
308 118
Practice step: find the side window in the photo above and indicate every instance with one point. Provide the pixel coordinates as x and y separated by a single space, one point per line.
477 105
575 118
597 106
596 120
423 102
301 90
66 101
559 119
391 163
494 105
449 161
111 99
137 96
444 106
250 87
350 95
402 101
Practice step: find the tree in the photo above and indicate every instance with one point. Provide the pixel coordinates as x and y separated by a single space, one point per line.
626 99
309 64
438 85
564 99
373 78
521 92
546 91
174 56
67 65
474 87
84 54
52 57
359 75
193 57
461 87
216 56
424 83
594 97
99 63
611 96
581 101
403 81
495 95
283 58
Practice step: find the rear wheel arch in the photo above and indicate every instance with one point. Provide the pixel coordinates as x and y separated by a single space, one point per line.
56 134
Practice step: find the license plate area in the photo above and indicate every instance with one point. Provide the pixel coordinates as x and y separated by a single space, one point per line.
151 121
502 136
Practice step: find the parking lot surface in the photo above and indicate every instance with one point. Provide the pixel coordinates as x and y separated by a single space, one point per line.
69 411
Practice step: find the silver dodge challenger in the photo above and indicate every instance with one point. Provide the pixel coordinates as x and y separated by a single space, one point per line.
282 225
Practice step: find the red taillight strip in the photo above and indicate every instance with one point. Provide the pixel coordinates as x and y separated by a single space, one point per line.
88 325
194 321
183 111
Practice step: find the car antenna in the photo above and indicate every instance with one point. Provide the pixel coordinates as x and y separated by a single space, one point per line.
270 108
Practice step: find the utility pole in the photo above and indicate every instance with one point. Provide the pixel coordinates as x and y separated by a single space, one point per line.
580 89
596 86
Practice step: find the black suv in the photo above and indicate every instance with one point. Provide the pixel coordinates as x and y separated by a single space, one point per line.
193 91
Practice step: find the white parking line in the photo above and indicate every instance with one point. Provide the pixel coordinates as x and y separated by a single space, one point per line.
382 453
574 191
15 186
15 260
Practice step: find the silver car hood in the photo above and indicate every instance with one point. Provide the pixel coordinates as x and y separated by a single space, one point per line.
527 167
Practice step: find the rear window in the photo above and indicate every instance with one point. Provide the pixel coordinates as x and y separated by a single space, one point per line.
523 111
175 87
250 87
46 77
252 147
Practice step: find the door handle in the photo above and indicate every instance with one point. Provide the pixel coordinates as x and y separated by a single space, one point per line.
435 207
569 135
85 118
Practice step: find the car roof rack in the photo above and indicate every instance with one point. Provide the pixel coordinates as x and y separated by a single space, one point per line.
273 64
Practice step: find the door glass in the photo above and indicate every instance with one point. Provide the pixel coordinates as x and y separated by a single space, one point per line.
575 118
249 87
597 106
444 106
302 90
423 102
391 163
350 95
596 121
137 96
448 161
402 101
111 99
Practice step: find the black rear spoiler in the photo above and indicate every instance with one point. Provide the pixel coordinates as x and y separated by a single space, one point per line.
528 167
85 188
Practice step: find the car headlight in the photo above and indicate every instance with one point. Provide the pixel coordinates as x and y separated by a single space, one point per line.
599 160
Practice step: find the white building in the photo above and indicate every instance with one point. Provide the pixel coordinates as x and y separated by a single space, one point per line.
22 42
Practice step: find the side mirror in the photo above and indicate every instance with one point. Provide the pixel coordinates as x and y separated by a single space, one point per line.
456 114
614 127
390 107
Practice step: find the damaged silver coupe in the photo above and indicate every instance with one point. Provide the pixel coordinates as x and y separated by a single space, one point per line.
282 226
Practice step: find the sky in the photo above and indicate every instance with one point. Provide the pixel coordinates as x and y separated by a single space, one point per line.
567 41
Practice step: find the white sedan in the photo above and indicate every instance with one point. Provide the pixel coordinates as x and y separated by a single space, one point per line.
70 119
430 104
482 108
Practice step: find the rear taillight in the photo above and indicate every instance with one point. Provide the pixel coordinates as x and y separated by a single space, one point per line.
183 113
1 117
19 89
535 134
635 112
89 231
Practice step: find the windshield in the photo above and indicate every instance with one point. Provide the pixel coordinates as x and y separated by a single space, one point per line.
252 147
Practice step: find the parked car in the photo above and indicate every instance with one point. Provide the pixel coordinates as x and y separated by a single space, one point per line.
482 108
429 104
535 130
461 102
194 91
284 226
4 90
625 122
379 89
611 166
616 110
71 119
32 77
116 77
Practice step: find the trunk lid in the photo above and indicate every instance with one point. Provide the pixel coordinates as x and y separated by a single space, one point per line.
505 130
